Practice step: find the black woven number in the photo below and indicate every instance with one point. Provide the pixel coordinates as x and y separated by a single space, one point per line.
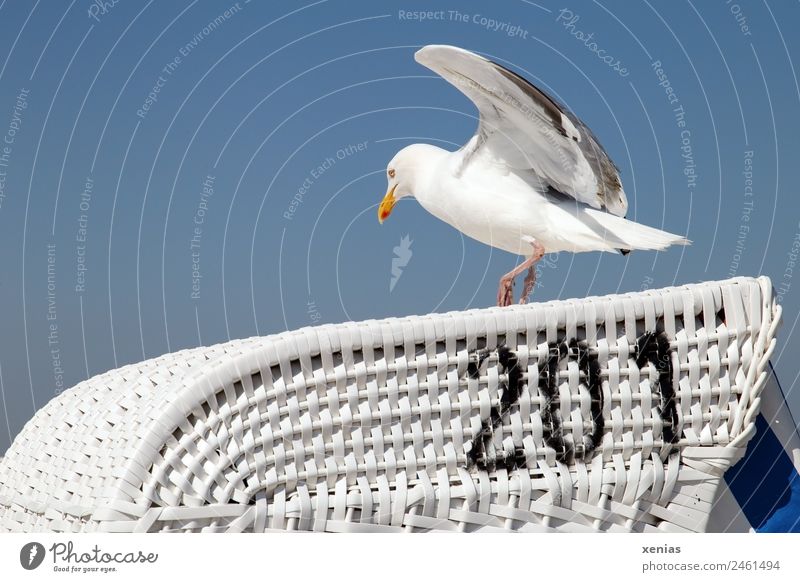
655 349
587 361
479 454
651 348
551 412
481 445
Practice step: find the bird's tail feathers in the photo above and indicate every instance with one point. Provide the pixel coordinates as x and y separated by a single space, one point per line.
629 235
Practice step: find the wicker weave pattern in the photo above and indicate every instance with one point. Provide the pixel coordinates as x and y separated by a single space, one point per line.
615 413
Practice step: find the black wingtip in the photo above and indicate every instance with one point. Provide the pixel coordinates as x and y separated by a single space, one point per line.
624 252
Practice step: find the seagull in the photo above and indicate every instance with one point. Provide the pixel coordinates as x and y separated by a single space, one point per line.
532 180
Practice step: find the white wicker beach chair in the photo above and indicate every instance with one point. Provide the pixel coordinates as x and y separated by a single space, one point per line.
616 413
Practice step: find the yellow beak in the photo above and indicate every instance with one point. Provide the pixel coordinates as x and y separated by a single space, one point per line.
388 202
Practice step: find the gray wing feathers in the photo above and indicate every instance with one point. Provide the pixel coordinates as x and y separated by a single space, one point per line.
608 181
529 131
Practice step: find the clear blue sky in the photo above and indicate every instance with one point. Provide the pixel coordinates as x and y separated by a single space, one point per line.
190 175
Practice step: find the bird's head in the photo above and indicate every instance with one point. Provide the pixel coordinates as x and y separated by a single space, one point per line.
403 175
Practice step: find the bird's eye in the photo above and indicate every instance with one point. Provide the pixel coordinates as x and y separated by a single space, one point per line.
391 173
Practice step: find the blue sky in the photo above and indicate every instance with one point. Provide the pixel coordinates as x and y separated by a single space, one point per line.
182 173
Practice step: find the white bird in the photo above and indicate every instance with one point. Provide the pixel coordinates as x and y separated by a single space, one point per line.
532 180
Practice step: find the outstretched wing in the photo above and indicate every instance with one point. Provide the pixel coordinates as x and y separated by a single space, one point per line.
524 128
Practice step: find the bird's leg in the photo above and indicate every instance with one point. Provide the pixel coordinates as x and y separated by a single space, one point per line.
530 278
505 293
530 282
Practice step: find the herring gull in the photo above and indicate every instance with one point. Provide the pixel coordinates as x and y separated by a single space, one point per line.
532 180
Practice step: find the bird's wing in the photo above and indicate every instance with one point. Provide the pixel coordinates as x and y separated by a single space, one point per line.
525 129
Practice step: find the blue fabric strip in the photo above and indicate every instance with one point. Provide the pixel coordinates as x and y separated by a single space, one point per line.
766 484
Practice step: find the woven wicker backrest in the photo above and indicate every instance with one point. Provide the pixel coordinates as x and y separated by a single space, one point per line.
615 413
